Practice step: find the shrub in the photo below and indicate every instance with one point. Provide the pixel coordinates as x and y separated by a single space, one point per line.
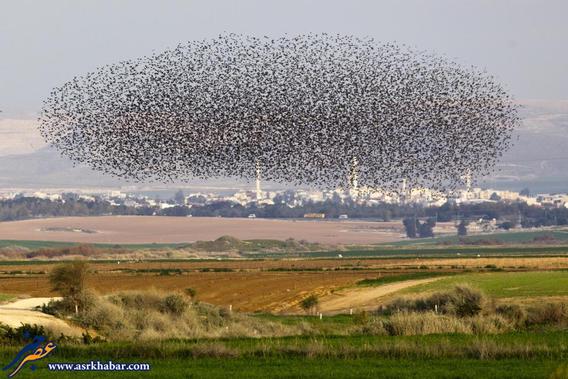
467 301
23 333
410 324
309 303
462 301
548 314
191 292
66 306
105 317
152 315
513 313
69 281
174 304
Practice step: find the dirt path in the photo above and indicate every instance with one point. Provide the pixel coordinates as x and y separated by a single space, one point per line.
365 298
23 311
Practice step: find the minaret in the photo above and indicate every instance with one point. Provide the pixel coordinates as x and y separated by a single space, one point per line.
258 191
468 181
403 194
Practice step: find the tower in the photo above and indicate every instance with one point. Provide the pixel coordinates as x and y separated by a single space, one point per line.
403 194
258 191
467 178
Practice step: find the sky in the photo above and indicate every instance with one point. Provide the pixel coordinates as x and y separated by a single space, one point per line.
46 43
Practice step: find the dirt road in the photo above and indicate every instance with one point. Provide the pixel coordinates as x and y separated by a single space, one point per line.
23 311
364 298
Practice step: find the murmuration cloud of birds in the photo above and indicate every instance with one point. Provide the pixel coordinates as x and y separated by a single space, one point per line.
306 109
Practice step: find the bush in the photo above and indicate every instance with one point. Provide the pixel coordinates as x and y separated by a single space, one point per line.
191 292
309 303
174 304
152 315
467 301
513 313
105 317
23 333
548 314
410 324
462 301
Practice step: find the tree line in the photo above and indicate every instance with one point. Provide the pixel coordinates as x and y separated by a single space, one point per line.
508 214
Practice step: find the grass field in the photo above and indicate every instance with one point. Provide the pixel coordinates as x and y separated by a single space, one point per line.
517 355
330 349
321 368
506 284
511 237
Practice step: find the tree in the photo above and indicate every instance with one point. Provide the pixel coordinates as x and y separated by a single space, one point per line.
495 197
525 192
506 225
179 197
410 227
69 281
309 303
426 228
462 228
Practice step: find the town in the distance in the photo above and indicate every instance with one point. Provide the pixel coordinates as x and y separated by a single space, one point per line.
473 209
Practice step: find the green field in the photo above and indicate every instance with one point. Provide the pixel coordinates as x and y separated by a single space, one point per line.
511 237
506 284
265 249
319 368
516 355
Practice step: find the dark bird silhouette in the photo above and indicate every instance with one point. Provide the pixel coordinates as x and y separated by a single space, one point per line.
301 108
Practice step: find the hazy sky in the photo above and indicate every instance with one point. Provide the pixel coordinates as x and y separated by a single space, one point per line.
45 43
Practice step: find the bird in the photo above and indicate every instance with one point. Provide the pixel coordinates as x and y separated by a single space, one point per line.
302 108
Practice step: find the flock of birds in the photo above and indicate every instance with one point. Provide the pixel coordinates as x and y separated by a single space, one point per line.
308 109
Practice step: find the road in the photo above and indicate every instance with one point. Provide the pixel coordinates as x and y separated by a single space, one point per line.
23 311
364 298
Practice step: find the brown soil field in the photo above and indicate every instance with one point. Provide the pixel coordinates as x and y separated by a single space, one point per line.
392 265
245 291
148 229
252 287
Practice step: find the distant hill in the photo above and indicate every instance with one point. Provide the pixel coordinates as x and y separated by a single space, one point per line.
539 157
